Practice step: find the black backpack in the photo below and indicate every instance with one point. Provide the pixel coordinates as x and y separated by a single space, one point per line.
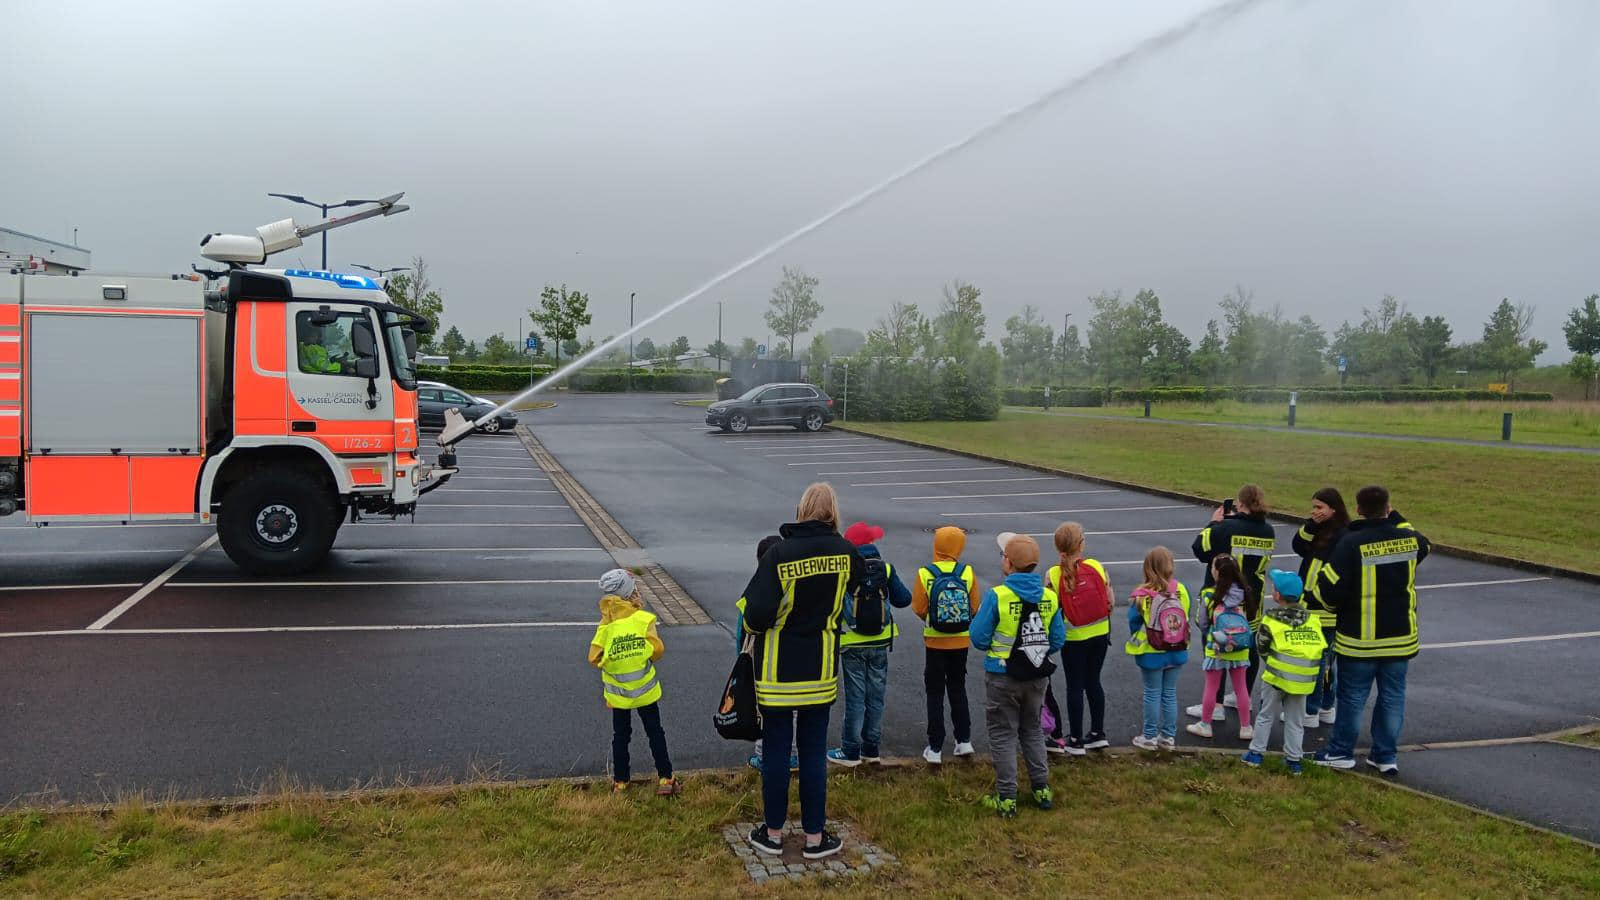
872 597
1030 653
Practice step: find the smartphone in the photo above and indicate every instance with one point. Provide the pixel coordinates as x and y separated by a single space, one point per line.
1227 507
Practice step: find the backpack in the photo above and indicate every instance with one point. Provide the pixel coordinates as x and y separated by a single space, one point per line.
949 601
872 597
1166 626
1089 600
1231 631
1030 653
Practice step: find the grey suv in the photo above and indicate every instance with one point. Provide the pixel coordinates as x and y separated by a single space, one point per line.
802 406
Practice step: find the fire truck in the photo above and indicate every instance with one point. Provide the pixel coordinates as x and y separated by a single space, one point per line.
276 404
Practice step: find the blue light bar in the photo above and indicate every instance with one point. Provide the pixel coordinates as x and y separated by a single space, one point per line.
353 282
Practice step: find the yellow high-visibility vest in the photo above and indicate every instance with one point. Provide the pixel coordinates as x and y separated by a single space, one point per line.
626 671
1294 661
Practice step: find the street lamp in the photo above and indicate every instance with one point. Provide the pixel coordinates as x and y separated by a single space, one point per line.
1066 323
296 198
630 341
381 272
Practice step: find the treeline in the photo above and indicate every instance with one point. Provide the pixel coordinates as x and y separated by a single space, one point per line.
1100 396
507 379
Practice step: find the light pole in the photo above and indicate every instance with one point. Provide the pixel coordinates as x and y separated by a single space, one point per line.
719 335
630 341
381 272
296 198
1066 322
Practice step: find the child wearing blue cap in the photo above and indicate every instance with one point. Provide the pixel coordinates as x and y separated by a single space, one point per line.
1290 643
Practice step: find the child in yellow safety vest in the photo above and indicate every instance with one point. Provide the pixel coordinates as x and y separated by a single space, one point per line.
625 649
1290 644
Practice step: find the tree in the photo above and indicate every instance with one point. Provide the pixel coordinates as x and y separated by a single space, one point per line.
645 349
560 314
792 310
747 348
961 322
1430 345
817 358
471 353
1506 347
1069 352
1105 329
1209 358
1583 369
678 347
844 341
498 351
1305 344
1169 360
1027 349
571 348
1583 327
453 343
414 291
719 350
898 334
1241 340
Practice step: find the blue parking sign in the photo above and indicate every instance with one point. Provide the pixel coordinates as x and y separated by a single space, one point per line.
532 344
761 349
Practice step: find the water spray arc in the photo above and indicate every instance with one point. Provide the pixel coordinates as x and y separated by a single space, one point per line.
457 427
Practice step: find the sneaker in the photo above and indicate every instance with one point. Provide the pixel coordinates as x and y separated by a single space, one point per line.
1247 732
794 762
1310 721
1328 715
1251 759
1384 768
1167 743
1294 766
1217 715
1044 798
764 842
1005 807
618 787
837 757
1230 701
667 787
1057 746
872 757
1144 743
932 756
1075 747
1096 741
1199 729
824 848
755 761
963 748
1323 758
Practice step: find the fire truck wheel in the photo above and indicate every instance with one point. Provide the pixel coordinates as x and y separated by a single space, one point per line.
277 522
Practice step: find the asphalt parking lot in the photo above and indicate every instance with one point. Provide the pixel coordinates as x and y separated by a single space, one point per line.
454 646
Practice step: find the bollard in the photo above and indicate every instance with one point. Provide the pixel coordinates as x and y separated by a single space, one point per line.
1294 400
1505 427
1147 409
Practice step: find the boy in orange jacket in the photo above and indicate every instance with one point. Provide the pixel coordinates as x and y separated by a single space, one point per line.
944 631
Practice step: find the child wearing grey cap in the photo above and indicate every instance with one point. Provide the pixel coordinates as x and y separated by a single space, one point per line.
625 649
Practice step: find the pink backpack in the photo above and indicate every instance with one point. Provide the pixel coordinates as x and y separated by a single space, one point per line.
1166 626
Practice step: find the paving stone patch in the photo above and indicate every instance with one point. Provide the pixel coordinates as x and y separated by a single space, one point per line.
859 856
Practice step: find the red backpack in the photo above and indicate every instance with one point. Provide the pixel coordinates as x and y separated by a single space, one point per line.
1089 600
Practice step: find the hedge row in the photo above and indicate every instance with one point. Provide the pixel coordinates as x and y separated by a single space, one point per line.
1082 396
515 378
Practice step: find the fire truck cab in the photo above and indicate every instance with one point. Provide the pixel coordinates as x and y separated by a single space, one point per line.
277 404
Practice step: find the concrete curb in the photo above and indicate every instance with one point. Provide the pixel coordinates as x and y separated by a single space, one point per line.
1458 552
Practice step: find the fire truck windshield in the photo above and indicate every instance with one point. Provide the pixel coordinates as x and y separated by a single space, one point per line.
405 370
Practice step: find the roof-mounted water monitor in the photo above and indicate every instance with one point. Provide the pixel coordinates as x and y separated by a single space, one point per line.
274 237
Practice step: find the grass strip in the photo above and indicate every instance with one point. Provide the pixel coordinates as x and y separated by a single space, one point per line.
1124 826
1517 503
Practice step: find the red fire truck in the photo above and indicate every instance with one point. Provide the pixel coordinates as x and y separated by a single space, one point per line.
275 403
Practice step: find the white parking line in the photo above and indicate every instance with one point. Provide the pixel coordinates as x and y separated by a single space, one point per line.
396 583
496 491
154 585
472 550
101 552
527 468
1140 562
841 453
871 462
1571 635
1011 494
1462 584
68 587
497 506
1191 530
498 478
472 524
1064 512
957 481
902 471
295 629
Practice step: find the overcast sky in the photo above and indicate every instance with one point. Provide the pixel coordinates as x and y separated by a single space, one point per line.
1321 152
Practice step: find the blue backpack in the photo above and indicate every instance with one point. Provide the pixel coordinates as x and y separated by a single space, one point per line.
1231 631
949 601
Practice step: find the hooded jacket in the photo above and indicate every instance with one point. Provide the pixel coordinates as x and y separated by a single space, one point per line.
899 596
1029 588
1247 537
948 542
613 608
793 606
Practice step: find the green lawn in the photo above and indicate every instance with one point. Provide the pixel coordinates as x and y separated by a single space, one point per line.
1521 503
1587 738
1570 424
1136 826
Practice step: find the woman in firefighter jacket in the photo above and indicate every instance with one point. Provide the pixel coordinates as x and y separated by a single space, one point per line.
792 606
1314 543
1245 534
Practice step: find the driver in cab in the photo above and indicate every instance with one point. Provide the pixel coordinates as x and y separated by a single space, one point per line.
315 355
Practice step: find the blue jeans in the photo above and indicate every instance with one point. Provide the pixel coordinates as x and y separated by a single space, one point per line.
866 678
807 728
1325 695
1356 677
1161 701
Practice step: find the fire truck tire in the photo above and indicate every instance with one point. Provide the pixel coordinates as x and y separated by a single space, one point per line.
278 522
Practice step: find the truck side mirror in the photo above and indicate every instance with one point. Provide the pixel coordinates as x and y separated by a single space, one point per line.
367 367
363 341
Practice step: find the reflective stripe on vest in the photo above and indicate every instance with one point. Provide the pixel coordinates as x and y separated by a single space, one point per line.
627 675
1138 642
1294 663
853 638
1008 607
928 631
